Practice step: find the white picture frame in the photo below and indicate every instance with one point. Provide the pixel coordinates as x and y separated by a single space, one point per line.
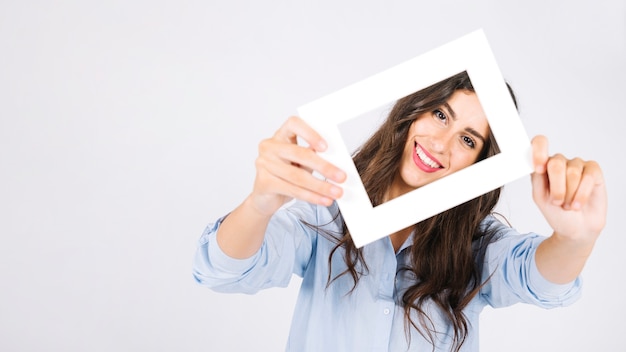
470 53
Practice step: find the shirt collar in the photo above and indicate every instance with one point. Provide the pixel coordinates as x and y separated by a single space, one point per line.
407 243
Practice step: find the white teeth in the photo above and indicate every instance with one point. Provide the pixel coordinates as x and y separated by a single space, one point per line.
425 159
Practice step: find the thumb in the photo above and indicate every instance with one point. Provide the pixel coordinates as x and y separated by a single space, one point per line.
540 153
540 185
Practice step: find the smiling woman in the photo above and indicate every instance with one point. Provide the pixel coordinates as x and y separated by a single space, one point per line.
428 135
423 287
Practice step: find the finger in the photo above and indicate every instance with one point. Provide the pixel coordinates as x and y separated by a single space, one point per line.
289 190
557 168
590 179
298 183
310 161
307 169
294 127
540 186
295 164
573 176
306 181
540 153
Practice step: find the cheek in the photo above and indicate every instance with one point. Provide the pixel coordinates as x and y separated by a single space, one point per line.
420 127
464 158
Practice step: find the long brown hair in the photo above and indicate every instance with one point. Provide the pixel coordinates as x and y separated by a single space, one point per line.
448 249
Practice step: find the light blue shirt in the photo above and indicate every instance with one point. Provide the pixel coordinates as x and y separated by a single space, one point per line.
368 319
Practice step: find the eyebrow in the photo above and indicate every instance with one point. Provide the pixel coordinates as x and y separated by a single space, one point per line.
450 111
467 129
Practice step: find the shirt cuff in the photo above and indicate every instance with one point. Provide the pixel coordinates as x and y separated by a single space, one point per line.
541 285
221 260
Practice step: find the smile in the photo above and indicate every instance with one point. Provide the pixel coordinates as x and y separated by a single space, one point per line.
424 160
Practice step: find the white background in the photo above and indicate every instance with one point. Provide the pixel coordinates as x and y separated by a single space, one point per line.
127 126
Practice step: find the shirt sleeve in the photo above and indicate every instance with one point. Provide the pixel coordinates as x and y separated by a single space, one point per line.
513 276
286 249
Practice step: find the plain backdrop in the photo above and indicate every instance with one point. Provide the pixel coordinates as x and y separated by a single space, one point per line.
127 126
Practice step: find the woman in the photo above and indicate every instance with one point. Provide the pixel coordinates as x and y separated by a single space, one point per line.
423 287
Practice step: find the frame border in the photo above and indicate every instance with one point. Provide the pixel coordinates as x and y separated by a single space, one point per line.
470 53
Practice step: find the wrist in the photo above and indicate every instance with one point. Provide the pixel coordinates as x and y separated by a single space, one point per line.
579 244
560 259
260 207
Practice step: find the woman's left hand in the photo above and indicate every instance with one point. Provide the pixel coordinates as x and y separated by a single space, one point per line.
570 193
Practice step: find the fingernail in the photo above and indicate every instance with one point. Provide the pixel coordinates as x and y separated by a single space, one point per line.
335 191
576 206
340 176
321 146
326 201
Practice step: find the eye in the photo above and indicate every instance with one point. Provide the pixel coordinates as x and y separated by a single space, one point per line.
439 115
469 141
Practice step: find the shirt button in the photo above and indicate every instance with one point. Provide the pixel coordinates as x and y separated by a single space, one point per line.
386 311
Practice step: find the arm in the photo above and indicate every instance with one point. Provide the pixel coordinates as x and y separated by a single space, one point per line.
283 171
287 248
572 197
513 277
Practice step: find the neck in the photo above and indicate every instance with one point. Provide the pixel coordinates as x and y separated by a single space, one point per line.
398 238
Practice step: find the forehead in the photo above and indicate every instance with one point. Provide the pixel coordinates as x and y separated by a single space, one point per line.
466 108
466 103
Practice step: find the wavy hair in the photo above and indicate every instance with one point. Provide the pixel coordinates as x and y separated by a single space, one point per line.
448 249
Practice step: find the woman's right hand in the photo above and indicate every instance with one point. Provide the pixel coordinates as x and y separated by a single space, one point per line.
285 169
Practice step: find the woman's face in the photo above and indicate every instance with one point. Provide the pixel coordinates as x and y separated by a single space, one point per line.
441 142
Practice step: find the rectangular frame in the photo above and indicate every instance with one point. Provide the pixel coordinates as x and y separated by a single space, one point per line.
470 53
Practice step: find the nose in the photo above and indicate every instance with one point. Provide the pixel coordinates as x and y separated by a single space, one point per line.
440 142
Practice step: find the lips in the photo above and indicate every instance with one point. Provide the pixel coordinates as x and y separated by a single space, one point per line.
424 160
